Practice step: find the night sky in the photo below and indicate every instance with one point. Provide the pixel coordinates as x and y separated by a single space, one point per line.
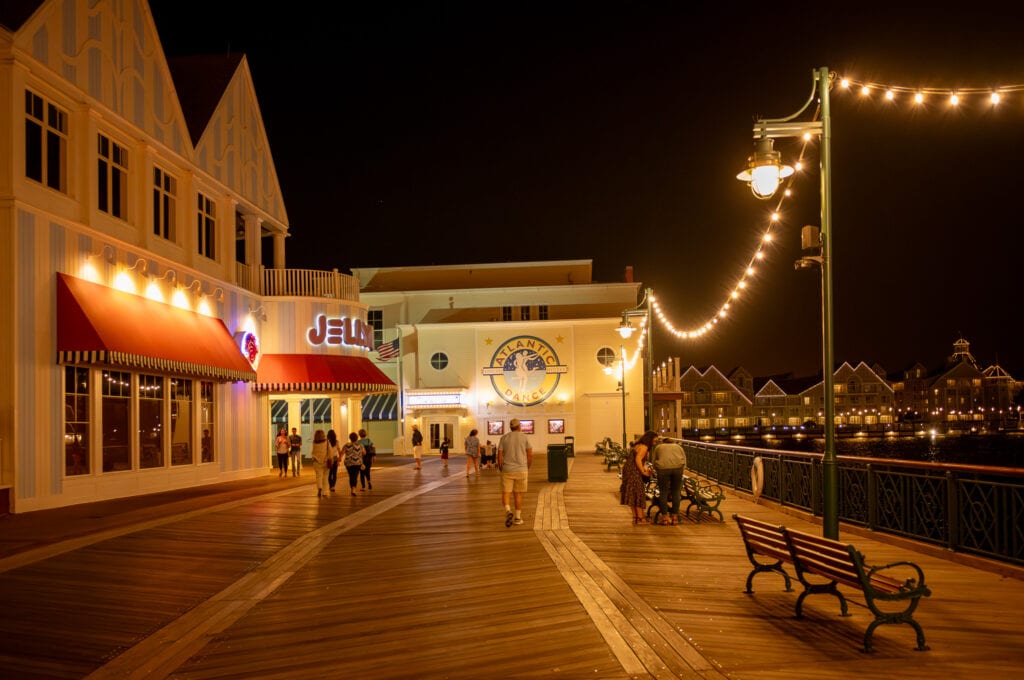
445 133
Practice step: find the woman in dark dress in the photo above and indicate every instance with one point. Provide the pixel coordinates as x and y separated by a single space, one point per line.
632 490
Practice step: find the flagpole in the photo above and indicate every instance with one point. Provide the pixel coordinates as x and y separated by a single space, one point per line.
401 392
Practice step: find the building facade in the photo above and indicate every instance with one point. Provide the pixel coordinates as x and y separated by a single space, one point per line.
474 346
149 345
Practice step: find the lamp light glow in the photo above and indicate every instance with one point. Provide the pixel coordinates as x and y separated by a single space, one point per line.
765 169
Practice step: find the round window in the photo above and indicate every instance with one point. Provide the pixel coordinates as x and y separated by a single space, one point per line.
606 356
439 361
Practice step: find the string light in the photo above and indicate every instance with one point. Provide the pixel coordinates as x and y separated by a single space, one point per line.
955 97
891 93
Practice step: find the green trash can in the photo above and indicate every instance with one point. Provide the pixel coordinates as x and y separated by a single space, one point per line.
558 465
570 446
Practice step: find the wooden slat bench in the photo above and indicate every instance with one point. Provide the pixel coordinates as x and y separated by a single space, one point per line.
704 496
837 563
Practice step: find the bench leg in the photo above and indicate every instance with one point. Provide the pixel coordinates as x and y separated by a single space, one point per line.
777 568
900 617
815 588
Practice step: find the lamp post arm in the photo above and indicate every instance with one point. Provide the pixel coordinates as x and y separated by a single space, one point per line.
815 86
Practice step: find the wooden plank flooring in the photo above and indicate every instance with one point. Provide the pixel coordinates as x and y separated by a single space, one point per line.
420 578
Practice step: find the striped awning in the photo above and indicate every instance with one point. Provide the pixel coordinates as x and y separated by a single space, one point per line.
380 407
320 373
101 325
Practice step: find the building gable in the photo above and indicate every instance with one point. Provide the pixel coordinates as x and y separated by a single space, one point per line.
111 52
235 150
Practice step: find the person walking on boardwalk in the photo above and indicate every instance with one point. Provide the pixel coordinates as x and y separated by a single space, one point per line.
634 468
352 458
515 456
472 453
333 456
444 452
669 461
282 447
369 453
417 446
295 451
319 455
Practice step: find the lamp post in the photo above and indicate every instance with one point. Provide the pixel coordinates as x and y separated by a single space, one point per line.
622 386
764 173
626 330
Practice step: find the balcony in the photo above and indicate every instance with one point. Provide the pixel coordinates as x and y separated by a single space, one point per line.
298 283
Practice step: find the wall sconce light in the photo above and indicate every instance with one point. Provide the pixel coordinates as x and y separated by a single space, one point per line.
138 266
258 312
124 281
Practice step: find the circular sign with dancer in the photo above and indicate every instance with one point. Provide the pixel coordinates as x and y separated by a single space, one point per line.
524 370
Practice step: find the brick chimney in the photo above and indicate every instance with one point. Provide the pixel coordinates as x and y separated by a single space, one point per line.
629 273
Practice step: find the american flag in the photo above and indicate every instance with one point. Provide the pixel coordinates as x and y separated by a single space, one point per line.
388 350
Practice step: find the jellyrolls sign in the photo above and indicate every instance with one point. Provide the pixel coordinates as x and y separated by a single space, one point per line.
340 331
524 370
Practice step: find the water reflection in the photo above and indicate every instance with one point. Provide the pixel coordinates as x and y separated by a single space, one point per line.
1002 450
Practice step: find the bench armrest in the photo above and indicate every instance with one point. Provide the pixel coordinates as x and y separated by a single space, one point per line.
910 587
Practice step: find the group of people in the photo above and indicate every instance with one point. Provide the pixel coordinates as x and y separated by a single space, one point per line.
288 448
356 456
514 458
668 460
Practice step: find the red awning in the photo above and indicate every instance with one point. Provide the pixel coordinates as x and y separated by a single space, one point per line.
101 325
320 373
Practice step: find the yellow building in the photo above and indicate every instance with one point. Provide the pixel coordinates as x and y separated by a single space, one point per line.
476 345
147 346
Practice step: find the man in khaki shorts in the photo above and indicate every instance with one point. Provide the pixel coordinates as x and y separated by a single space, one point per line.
515 456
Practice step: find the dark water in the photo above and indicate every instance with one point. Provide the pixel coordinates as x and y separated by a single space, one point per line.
1001 450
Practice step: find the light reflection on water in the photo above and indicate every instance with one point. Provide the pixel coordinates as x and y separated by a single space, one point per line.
1002 450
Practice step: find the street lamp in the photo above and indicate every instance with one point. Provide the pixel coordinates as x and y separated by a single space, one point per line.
764 173
626 329
622 387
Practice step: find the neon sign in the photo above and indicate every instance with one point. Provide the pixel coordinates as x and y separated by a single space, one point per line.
340 331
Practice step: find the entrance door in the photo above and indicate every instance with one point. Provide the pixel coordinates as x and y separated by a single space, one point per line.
438 432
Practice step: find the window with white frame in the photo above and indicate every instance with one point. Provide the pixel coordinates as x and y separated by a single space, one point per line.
165 189
375 318
208 453
506 313
76 421
151 421
116 421
206 227
112 178
524 313
181 421
46 142
542 312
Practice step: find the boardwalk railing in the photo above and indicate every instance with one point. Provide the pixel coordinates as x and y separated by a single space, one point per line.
966 508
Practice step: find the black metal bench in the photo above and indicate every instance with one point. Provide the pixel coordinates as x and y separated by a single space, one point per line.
704 496
837 563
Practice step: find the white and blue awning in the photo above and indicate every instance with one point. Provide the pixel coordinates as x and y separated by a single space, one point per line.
380 407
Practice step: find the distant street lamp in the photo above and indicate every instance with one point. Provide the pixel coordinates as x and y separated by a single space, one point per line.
626 329
764 173
621 361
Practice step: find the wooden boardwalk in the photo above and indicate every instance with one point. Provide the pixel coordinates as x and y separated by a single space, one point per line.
420 578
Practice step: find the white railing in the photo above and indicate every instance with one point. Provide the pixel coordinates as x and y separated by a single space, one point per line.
309 283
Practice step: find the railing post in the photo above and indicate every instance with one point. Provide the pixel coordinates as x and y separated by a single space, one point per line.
815 486
952 512
872 482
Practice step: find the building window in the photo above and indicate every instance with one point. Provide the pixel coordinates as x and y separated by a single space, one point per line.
206 227
439 361
181 421
375 318
76 420
606 357
506 313
542 312
151 421
116 406
524 313
206 420
46 142
113 178
165 189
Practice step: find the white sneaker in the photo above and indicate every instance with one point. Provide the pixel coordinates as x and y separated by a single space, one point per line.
517 520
